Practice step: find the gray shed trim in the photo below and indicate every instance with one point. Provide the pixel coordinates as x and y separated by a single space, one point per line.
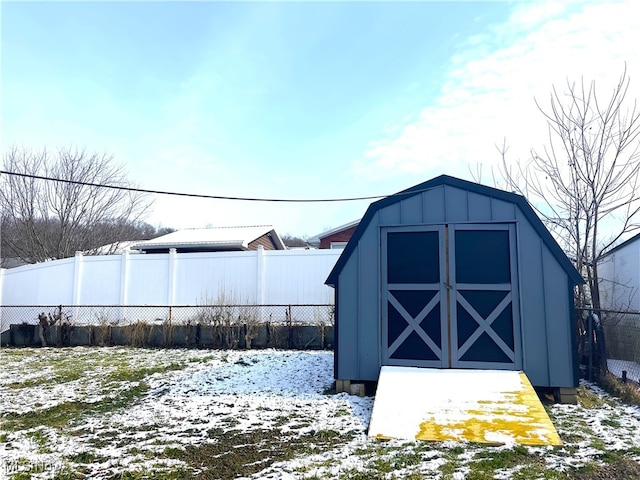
519 200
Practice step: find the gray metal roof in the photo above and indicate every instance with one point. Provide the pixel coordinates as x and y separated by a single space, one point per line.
315 240
221 238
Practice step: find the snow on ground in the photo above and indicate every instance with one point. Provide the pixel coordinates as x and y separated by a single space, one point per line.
78 409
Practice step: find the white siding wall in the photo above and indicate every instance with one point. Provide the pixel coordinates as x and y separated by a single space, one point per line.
619 275
257 277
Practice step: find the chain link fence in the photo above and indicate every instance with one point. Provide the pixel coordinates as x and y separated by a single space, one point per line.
88 315
215 326
609 341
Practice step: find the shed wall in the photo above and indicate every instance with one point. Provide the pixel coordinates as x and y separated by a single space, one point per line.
544 302
561 363
533 304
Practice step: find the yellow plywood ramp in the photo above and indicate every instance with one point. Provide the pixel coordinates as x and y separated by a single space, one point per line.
487 406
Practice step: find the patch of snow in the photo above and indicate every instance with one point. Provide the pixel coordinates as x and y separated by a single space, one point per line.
616 367
285 391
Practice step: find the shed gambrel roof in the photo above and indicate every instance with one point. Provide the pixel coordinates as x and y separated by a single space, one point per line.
519 200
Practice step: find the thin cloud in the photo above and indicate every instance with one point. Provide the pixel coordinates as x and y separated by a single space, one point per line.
487 98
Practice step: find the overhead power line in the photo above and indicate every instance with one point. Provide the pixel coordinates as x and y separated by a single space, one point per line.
193 195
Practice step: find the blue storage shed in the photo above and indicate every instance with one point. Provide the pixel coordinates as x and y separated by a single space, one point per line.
453 274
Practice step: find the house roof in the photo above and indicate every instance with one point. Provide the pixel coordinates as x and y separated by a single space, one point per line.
519 200
315 240
117 247
219 238
622 245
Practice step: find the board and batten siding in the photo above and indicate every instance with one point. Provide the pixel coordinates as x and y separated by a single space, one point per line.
546 301
543 285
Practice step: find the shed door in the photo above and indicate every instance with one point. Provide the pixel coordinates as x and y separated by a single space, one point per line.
414 297
483 298
449 297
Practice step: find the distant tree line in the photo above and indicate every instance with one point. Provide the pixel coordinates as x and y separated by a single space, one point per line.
103 238
44 220
293 241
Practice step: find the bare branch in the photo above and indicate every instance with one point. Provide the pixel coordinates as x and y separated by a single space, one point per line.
43 220
587 173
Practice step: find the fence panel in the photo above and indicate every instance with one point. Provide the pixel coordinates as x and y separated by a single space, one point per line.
208 326
221 277
311 314
146 280
256 277
306 269
609 340
41 283
100 282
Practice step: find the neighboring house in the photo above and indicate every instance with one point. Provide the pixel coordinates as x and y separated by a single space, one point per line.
216 239
335 238
619 282
619 276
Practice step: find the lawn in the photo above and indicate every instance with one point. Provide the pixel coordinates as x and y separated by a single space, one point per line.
128 413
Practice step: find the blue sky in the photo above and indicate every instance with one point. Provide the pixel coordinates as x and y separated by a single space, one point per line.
298 99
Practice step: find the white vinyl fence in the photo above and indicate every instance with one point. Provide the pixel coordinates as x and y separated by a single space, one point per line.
289 277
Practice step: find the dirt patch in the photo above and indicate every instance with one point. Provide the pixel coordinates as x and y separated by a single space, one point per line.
622 469
235 453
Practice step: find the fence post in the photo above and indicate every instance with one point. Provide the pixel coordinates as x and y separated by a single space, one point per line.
77 284
124 282
77 278
1 281
602 345
171 293
259 282
1 309
591 344
289 326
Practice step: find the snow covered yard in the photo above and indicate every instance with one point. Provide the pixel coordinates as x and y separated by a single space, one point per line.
125 413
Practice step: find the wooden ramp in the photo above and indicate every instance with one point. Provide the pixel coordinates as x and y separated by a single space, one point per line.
486 406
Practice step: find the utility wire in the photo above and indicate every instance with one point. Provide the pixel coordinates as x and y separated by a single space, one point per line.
193 195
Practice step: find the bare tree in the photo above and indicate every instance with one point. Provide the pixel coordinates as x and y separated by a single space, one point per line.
584 182
294 241
48 219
